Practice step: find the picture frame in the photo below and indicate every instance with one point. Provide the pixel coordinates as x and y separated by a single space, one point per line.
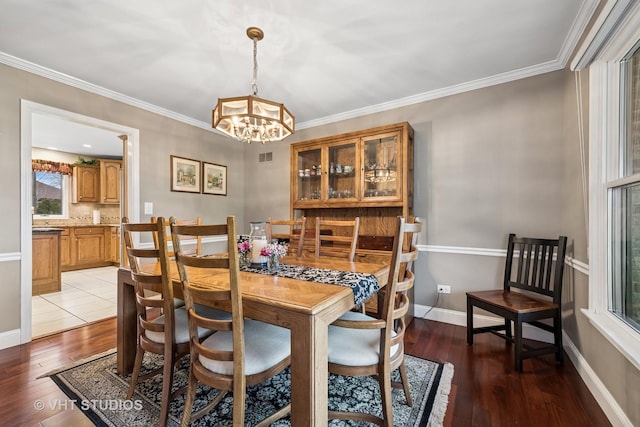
185 175
214 179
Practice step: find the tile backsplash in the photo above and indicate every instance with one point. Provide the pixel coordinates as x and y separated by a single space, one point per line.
82 213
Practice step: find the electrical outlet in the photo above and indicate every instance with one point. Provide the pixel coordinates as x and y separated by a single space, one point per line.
444 289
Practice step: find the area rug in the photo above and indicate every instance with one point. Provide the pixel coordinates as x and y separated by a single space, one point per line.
95 387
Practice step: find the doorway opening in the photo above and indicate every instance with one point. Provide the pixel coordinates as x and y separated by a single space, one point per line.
33 117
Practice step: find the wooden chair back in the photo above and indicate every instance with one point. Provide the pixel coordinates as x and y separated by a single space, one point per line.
294 236
154 292
155 306
535 265
391 325
342 241
230 299
221 376
198 240
400 281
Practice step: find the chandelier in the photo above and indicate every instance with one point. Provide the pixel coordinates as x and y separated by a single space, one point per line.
249 118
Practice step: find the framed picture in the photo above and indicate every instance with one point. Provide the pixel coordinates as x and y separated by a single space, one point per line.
214 179
185 175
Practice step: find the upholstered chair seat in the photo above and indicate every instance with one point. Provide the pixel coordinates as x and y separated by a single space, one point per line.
356 347
265 346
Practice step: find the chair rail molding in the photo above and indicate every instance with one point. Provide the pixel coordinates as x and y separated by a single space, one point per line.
461 250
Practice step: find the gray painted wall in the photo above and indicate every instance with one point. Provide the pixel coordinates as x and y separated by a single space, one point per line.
488 162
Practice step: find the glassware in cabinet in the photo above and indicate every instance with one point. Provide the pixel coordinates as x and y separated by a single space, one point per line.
309 164
342 171
381 174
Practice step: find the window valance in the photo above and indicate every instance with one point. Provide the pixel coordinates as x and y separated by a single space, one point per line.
52 167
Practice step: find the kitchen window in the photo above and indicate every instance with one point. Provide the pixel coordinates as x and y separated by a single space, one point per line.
50 192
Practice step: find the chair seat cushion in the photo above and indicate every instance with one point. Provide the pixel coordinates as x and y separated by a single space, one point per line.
265 346
182 325
355 347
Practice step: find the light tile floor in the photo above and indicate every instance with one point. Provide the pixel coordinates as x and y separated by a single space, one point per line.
86 296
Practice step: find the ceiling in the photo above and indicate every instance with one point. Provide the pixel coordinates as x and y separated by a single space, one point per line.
325 60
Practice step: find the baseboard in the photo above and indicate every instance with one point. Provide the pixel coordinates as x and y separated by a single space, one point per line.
460 318
10 338
609 406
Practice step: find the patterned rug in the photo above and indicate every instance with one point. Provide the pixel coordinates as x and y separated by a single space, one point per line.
95 387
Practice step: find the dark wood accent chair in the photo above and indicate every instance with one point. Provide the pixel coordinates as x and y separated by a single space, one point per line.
240 352
363 345
294 237
532 291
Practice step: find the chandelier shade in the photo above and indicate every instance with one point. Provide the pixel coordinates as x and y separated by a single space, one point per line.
249 118
253 119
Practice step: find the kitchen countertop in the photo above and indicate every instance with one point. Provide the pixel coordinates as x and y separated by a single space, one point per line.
46 230
42 226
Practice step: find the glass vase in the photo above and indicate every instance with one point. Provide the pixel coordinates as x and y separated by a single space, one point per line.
274 264
258 239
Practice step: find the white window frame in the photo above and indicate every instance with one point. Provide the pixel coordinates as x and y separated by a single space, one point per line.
66 190
604 164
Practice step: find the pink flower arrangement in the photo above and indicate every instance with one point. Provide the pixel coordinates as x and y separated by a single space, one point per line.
244 247
274 249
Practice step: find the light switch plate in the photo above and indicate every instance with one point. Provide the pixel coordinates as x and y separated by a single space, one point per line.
148 208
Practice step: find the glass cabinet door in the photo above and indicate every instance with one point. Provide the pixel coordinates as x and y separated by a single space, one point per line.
309 174
342 171
381 159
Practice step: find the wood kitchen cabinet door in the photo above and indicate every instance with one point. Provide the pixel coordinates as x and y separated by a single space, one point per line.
65 249
45 273
86 184
110 181
89 246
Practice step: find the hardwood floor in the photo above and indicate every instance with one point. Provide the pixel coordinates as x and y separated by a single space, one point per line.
486 390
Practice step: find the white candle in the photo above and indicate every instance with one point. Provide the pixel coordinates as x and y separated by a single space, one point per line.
256 245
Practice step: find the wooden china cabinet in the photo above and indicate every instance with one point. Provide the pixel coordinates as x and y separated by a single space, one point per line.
367 173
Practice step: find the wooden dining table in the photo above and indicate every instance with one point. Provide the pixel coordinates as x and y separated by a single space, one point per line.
305 308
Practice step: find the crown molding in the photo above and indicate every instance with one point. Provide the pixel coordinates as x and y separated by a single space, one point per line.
506 77
48 73
576 30
398 103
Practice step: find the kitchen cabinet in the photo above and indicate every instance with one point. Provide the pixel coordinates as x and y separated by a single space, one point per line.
114 245
65 248
86 183
368 174
85 247
45 269
97 183
110 181
89 246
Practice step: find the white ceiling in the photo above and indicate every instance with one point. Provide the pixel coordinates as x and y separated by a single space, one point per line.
325 60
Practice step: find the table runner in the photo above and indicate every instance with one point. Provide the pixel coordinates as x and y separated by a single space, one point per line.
363 285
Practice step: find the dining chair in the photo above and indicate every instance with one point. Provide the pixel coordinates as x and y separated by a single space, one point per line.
161 327
531 291
198 240
295 234
363 345
241 352
337 238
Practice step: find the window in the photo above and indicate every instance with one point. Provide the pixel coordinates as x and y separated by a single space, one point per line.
614 174
50 195
625 201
